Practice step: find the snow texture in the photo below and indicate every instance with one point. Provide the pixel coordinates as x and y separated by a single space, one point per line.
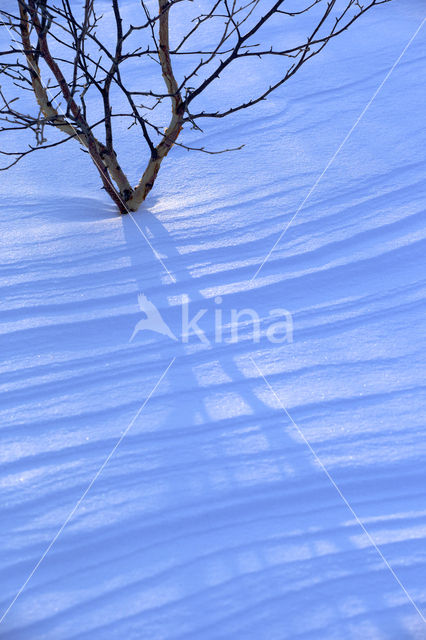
213 519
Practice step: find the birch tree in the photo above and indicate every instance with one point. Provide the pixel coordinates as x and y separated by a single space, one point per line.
78 72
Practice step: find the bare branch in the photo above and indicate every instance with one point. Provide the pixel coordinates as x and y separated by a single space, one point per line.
87 72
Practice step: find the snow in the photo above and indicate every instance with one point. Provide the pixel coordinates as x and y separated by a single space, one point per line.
215 517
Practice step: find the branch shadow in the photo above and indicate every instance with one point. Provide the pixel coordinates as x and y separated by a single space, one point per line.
231 526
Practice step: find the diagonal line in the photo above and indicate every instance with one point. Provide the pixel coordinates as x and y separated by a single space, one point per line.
86 491
60 110
327 473
154 251
342 144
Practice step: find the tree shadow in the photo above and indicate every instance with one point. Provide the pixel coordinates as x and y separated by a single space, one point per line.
244 465
226 526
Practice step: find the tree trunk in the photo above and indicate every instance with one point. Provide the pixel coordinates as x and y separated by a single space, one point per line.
172 132
105 162
125 197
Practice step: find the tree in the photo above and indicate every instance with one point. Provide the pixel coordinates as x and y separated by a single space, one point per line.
78 71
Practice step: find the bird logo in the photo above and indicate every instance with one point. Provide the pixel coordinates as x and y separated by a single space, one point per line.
153 321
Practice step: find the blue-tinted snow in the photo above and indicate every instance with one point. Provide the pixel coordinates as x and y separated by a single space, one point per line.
213 519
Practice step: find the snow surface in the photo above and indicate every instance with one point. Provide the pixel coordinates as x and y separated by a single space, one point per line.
213 519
